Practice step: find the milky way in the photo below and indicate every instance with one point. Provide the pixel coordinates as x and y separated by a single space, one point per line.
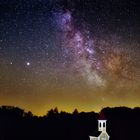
92 58
71 54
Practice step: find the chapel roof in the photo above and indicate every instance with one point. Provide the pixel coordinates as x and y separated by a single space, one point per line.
102 116
96 134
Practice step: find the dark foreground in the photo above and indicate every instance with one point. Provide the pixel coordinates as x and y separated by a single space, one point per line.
122 124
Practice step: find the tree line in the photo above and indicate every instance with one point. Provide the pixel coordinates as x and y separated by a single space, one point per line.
15 124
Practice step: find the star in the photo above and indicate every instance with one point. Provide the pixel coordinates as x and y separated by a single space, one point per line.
28 63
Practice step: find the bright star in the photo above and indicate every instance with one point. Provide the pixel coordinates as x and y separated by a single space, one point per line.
28 63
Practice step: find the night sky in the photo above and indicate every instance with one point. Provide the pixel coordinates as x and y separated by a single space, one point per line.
82 54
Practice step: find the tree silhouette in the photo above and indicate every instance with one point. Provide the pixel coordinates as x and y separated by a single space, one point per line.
122 123
75 112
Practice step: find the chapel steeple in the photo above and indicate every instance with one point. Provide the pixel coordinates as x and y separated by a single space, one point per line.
102 122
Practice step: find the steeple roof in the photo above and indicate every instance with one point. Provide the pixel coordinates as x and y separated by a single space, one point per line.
102 116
